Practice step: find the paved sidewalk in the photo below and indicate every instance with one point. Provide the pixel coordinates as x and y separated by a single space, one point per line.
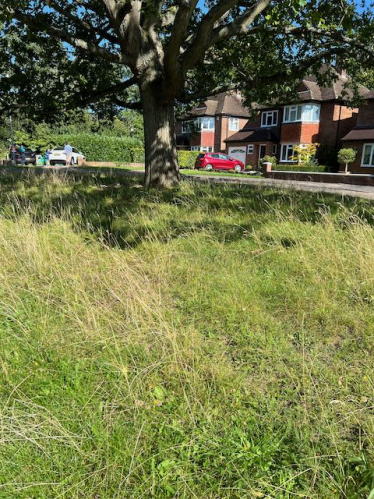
359 191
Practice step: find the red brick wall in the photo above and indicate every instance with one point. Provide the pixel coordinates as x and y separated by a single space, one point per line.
223 132
291 133
356 167
309 133
299 133
195 139
205 139
366 114
336 121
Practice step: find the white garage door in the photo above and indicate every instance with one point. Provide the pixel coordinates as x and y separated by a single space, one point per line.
237 153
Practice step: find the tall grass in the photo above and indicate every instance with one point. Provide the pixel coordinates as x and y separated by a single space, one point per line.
205 342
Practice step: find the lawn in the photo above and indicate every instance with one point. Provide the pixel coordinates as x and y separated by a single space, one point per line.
204 342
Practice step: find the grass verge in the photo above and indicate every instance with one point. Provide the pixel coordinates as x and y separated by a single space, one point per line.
210 341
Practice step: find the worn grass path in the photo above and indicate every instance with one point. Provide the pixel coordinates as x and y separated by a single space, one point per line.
208 342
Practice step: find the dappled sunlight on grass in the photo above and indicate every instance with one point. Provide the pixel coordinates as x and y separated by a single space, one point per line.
205 341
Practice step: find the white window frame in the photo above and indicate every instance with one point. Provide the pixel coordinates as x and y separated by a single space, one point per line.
363 165
233 124
202 149
184 125
300 112
250 149
281 154
274 118
204 124
209 120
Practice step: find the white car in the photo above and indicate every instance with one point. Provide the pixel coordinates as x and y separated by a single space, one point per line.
58 156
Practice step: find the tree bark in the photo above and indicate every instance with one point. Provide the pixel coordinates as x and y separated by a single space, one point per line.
161 160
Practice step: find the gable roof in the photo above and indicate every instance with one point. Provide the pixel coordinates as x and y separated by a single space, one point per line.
224 103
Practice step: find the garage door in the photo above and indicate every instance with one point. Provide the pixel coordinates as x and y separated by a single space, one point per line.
237 153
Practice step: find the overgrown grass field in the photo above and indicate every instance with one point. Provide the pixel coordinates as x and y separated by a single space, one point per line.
208 342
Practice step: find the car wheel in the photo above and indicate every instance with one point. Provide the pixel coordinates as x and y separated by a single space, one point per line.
209 167
237 168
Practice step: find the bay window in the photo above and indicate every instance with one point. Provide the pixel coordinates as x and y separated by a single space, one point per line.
302 112
200 124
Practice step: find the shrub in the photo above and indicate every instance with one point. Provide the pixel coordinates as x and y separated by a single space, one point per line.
309 167
187 159
305 153
103 148
347 156
269 159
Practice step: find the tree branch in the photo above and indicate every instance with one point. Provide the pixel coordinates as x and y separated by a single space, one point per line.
129 105
178 35
39 23
87 27
100 94
203 39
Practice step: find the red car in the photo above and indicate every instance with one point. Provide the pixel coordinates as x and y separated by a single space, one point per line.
218 161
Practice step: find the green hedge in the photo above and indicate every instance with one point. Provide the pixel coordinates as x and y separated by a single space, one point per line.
102 148
187 159
299 168
115 149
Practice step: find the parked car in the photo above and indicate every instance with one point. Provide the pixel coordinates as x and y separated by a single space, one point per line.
218 161
30 156
58 156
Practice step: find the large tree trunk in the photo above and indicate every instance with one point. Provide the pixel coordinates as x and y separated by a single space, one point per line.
161 161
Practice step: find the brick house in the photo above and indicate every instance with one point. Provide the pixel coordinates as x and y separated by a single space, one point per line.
320 116
211 122
361 138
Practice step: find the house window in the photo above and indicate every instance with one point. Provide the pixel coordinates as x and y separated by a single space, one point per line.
233 124
368 155
205 123
288 152
269 118
302 112
186 126
201 149
250 149
275 149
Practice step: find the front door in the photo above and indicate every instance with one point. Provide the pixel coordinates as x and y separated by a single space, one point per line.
261 151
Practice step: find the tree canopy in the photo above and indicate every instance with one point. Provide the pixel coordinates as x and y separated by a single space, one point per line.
150 54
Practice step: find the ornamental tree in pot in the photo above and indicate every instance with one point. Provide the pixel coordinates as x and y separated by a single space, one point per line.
347 156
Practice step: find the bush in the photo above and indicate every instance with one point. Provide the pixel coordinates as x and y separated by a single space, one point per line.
187 159
309 167
269 159
103 148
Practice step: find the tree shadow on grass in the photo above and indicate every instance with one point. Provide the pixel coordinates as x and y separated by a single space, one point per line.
120 212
